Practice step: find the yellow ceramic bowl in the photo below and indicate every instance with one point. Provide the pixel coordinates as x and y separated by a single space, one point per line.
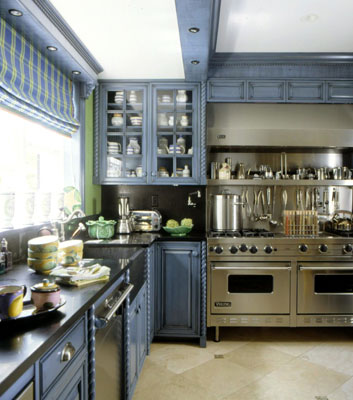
41 266
69 246
44 244
43 256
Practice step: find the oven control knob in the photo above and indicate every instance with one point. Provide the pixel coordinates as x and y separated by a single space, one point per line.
211 249
323 248
218 249
243 248
268 249
347 248
233 250
253 249
303 248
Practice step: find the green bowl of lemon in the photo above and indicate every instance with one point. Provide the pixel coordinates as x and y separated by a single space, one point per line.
174 229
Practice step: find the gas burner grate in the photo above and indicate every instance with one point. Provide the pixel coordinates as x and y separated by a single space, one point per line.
346 234
242 233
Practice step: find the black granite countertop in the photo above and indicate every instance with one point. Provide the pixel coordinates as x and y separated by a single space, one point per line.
145 239
24 342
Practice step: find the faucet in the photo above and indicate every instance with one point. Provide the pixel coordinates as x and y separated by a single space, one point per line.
65 220
190 202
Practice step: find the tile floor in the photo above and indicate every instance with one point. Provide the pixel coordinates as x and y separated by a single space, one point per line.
253 364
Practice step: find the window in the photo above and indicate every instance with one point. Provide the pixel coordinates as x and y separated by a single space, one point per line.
36 164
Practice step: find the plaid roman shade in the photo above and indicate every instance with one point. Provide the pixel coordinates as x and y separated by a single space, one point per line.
32 85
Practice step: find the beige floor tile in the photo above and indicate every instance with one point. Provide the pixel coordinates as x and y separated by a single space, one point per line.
259 357
152 374
225 346
175 388
336 356
345 392
179 357
220 377
297 380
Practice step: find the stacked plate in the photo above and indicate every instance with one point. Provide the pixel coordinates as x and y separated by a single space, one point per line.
114 148
43 253
166 98
119 97
136 121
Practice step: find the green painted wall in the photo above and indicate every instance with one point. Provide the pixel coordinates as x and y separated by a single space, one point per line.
92 192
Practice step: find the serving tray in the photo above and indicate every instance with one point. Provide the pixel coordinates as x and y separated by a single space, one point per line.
30 311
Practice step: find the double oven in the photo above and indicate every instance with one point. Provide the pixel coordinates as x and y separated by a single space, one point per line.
280 281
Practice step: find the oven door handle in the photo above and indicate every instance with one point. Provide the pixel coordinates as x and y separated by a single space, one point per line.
288 268
301 268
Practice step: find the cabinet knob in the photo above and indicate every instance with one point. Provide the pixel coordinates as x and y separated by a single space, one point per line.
153 173
145 174
68 352
195 253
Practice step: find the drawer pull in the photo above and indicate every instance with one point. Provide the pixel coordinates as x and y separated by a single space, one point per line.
68 352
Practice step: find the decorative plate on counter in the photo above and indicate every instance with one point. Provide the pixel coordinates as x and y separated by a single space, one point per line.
30 311
72 199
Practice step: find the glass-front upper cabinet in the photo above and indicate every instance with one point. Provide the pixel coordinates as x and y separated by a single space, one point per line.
124 130
175 134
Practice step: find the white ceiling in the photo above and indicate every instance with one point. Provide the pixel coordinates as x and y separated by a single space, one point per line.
131 39
285 26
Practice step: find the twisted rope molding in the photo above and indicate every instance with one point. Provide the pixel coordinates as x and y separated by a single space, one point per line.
91 354
203 132
203 295
96 135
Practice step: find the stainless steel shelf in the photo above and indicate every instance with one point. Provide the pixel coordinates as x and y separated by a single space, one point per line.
279 182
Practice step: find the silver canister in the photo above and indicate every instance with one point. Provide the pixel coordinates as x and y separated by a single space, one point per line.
219 212
234 214
214 170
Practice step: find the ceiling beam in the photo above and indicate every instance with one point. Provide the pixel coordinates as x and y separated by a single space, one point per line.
195 46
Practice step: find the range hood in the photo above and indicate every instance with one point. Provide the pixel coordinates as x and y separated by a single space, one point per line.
295 125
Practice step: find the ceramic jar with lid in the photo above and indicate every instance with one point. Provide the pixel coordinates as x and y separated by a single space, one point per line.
171 120
184 120
186 171
135 145
117 119
181 142
181 96
45 295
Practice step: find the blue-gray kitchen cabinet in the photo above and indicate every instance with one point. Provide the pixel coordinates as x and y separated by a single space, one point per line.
138 337
178 290
112 154
163 116
279 91
175 120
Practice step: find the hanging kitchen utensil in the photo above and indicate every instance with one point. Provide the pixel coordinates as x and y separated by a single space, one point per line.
273 221
247 206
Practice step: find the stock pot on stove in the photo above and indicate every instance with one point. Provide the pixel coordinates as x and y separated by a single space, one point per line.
226 212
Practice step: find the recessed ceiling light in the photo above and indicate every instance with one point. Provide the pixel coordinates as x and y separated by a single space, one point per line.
52 48
194 29
16 13
195 62
76 73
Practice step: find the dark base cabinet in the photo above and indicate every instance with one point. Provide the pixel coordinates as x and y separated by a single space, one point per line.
138 337
178 290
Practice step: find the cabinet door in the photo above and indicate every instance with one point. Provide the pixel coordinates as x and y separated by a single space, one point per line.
225 90
306 92
340 92
266 91
178 286
73 385
133 321
176 134
123 129
142 328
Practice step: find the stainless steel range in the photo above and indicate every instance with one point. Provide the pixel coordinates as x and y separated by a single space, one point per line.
257 278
